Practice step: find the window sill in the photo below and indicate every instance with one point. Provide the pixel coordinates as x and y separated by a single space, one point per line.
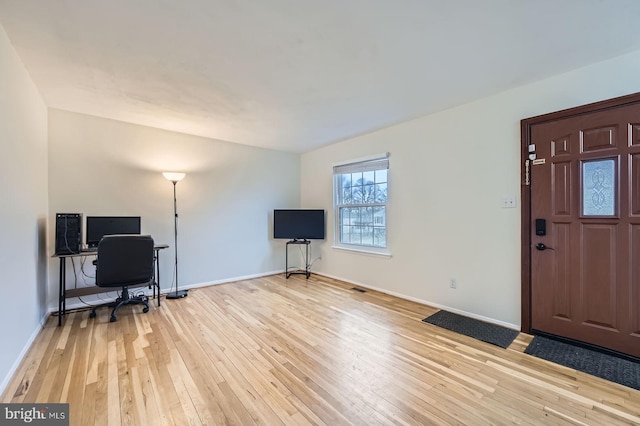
363 250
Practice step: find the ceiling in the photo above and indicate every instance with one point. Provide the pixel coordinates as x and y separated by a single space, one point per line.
295 75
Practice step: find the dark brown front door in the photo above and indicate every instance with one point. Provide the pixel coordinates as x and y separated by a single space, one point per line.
584 226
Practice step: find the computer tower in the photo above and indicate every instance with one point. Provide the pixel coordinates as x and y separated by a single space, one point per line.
68 233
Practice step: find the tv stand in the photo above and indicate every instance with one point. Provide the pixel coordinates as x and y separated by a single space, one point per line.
306 270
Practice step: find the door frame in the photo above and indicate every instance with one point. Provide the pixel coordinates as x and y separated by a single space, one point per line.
525 188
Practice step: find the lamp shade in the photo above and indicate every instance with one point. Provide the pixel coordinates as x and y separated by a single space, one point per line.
173 176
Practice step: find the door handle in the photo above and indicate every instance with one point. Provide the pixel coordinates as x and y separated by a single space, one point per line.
542 247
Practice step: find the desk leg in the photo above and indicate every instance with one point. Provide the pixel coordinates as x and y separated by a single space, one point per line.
157 275
62 304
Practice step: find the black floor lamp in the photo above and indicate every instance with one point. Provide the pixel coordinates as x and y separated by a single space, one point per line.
175 178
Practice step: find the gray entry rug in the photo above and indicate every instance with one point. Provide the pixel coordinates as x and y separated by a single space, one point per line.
490 333
609 367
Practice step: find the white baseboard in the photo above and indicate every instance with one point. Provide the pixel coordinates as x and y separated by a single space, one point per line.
227 280
16 364
80 305
427 302
382 290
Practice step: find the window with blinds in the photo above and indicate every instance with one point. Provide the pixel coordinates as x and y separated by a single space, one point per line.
361 194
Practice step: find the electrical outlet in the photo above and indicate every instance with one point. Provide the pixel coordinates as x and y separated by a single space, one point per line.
509 202
453 283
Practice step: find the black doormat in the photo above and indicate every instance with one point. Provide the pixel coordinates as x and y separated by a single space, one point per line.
605 366
490 333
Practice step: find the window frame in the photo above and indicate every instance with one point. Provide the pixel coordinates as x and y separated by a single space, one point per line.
354 166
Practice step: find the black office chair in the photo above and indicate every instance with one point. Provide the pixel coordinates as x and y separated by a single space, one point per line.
125 261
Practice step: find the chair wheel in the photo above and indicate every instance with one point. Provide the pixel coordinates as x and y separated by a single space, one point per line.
92 315
113 318
145 310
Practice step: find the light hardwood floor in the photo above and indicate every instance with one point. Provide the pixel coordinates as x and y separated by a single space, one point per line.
274 351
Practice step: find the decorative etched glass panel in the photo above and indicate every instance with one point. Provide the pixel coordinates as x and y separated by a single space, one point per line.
598 187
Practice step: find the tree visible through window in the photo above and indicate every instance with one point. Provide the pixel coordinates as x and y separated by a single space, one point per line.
361 202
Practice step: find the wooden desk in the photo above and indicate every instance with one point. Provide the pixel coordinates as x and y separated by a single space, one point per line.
64 293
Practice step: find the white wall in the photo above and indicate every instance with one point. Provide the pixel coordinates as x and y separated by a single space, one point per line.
448 175
225 202
23 210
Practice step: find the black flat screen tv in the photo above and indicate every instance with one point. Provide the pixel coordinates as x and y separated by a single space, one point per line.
99 226
298 224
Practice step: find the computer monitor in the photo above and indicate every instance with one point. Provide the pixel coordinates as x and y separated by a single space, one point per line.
99 226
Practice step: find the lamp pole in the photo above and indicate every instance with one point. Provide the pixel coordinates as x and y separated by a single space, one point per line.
175 178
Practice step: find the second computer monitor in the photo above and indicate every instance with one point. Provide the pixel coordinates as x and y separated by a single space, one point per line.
99 226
